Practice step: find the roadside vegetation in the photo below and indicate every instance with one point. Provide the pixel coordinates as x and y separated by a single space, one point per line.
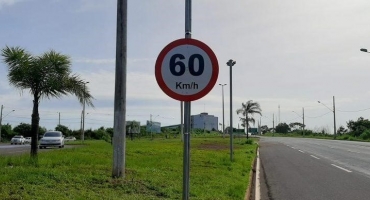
153 170
358 130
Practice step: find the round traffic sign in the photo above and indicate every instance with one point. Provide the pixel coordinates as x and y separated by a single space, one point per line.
186 69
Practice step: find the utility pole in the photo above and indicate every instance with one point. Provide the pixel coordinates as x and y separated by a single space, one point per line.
273 124
83 113
151 127
59 118
81 123
303 119
119 135
182 120
279 116
223 111
1 119
335 127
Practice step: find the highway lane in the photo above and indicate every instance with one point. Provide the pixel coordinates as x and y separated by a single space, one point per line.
7 149
295 168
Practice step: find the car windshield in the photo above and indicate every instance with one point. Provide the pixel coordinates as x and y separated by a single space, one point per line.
52 134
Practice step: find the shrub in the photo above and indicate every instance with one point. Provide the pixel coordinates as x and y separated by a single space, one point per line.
365 135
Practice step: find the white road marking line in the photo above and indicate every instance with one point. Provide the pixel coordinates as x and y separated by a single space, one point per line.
353 151
301 151
258 185
341 168
315 157
293 148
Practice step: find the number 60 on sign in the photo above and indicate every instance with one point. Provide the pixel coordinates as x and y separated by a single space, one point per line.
186 69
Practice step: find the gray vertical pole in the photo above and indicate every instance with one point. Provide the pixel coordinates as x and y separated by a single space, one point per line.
81 124
83 114
1 120
223 113
335 127
303 119
187 113
119 135
151 126
182 120
231 113
59 118
273 124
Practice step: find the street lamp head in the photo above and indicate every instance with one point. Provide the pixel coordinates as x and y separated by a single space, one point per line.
364 50
318 102
231 63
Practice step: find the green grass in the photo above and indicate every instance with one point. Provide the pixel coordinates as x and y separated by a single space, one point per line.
153 171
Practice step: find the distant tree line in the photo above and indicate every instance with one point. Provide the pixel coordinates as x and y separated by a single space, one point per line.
359 129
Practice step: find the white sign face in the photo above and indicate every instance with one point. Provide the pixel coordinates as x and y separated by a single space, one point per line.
186 69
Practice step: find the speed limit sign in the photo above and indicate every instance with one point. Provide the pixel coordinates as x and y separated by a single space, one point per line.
186 69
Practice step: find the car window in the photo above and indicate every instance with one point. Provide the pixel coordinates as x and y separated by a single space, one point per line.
52 134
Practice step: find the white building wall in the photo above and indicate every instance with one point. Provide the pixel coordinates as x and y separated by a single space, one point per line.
204 121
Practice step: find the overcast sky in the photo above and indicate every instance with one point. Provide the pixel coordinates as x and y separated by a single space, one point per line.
288 53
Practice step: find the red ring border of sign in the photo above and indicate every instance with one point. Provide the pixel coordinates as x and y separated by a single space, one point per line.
169 47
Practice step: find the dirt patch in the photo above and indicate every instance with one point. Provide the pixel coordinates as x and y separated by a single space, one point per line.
213 146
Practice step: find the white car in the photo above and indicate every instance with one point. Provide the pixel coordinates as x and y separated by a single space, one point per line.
27 140
52 139
70 138
17 139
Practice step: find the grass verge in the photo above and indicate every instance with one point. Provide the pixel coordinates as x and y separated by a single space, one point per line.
153 171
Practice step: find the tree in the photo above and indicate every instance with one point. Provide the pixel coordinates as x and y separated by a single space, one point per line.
249 108
264 129
23 129
64 129
6 131
341 130
45 76
356 128
296 126
282 128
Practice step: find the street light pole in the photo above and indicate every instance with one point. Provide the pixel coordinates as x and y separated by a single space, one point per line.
335 126
231 63
303 119
223 111
83 113
1 118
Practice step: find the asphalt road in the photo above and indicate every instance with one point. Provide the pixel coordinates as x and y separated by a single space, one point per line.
7 149
306 169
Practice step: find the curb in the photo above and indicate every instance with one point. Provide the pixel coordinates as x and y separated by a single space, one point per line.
251 175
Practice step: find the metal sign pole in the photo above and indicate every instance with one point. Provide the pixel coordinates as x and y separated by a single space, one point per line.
187 113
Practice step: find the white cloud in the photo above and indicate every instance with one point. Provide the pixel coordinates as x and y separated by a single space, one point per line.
4 3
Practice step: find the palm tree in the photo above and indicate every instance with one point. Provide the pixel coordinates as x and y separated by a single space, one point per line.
46 76
249 108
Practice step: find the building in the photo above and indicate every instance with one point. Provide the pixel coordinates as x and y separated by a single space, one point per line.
204 121
153 127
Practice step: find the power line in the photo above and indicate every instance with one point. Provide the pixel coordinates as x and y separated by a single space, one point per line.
319 115
353 110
